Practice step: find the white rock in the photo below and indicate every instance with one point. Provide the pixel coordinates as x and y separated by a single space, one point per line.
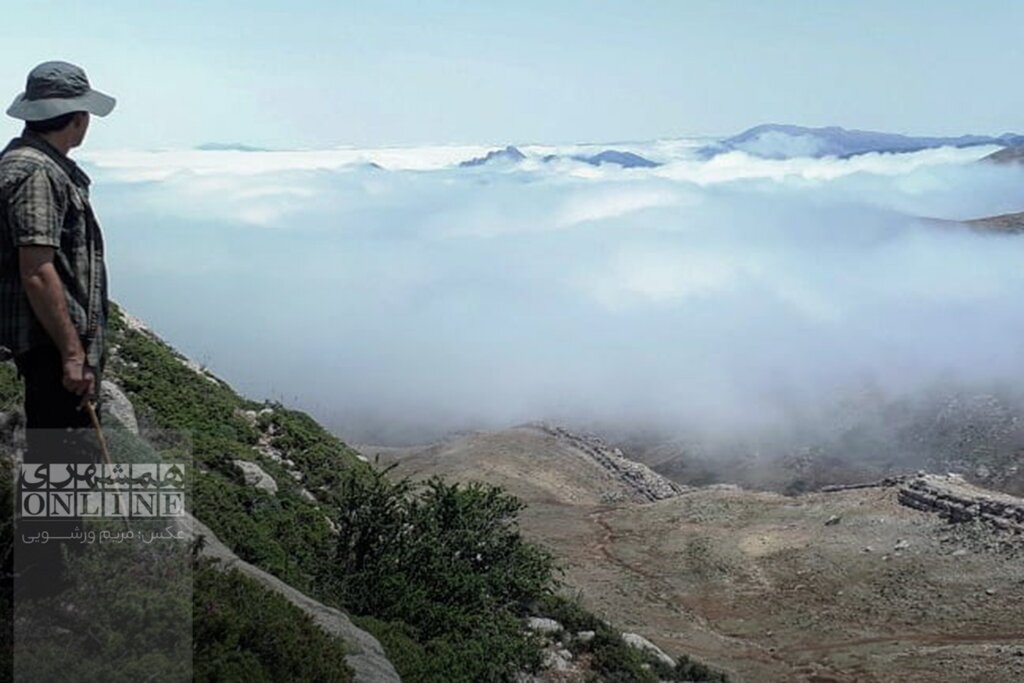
118 405
554 661
255 476
637 641
523 677
198 369
585 636
368 661
133 323
543 625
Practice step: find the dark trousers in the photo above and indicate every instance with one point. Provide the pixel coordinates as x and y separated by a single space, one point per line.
57 431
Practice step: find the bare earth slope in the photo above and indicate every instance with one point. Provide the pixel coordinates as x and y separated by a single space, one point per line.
842 586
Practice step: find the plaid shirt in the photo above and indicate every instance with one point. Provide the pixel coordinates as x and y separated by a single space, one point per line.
44 200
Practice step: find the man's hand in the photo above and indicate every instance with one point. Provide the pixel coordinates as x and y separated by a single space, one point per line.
79 379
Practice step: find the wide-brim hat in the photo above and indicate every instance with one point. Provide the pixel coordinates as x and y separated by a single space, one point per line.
56 88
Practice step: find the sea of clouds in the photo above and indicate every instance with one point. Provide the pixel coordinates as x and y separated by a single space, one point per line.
397 296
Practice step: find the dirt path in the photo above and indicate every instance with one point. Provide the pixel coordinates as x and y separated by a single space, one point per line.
938 639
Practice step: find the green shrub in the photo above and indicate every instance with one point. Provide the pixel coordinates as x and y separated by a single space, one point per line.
448 561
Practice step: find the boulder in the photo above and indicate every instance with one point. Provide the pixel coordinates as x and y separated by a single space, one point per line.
118 405
543 625
255 476
637 641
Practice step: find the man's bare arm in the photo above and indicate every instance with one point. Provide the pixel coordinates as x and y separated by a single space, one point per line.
45 293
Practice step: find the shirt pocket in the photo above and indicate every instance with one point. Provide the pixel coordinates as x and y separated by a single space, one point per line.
73 232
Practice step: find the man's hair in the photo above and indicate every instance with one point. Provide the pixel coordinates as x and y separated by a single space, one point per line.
50 125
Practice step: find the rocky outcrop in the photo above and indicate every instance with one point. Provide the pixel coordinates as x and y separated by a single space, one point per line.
888 481
954 499
647 484
543 625
114 400
265 446
561 665
369 664
638 642
136 325
255 476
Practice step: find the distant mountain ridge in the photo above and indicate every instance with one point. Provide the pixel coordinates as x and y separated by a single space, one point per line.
513 155
510 154
779 141
613 156
229 147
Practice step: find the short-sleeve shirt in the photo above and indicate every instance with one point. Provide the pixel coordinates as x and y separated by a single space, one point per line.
44 200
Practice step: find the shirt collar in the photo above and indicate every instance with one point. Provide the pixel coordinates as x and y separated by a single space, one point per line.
32 139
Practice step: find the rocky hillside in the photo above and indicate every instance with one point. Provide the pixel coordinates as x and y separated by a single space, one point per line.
353 576
535 460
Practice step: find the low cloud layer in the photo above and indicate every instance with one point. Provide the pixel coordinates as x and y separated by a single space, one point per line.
397 296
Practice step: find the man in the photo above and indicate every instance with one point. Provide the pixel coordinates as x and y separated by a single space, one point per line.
53 283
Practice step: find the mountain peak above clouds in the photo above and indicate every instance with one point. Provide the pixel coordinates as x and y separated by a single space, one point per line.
781 141
1008 155
614 156
510 154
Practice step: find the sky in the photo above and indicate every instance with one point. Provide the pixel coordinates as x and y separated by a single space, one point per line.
322 74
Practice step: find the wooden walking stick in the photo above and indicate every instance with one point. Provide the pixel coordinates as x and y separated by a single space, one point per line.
90 407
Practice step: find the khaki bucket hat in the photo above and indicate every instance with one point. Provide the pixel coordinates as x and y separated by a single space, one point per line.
56 88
